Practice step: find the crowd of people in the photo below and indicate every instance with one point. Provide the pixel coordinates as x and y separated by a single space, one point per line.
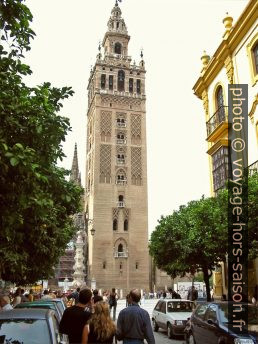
89 319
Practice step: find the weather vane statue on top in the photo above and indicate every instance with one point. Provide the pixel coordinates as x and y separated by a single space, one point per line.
117 2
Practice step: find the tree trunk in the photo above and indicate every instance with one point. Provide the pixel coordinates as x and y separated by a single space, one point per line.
206 278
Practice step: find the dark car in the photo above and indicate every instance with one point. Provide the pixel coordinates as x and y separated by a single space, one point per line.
44 304
209 324
32 326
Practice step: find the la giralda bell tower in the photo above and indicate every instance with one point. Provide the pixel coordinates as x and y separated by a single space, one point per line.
116 171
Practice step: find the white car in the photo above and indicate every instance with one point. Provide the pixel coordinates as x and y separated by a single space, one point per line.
172 315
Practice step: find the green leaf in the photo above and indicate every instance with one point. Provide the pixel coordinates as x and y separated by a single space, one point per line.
14 161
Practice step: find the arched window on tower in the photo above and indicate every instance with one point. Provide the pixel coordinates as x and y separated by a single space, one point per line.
255 57
110 83
125 225
103 81
121 177
120 250
115 225
138 86
220 113
118 48
121 80
131 85
121 202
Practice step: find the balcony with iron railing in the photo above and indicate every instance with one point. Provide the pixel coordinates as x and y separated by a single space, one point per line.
121 182
253 168
121 255
121 141
121 204
120 161
218 120
121 124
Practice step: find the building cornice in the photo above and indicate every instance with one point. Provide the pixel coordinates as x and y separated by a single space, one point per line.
227 46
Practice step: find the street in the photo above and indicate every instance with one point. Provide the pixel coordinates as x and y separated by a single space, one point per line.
160 336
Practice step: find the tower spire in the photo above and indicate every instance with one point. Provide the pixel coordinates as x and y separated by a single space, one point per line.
75 174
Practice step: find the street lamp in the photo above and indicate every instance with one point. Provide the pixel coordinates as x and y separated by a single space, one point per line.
92 231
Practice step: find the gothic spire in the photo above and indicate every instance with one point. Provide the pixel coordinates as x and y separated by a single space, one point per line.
75 174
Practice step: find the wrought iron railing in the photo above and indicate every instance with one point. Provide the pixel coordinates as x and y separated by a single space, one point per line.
121 255
219 116
253 168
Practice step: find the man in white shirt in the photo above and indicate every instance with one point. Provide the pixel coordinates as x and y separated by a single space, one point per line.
5 303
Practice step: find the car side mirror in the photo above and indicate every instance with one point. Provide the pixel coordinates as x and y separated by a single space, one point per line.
211 322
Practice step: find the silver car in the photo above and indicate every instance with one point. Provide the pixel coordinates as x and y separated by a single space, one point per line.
33 326
172 315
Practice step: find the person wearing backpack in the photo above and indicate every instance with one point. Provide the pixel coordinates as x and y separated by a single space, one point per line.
113 297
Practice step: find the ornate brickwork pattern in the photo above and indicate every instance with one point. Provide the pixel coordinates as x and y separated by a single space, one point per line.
105 163
136 125
136 165
126 213
115 213
106 122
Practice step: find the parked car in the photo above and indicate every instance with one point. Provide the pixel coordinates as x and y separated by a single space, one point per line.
171 315
60 304
209 324
44 304
33 326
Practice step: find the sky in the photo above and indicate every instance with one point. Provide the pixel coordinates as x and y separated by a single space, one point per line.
173 35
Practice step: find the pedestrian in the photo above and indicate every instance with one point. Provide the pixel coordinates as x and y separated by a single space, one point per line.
192 294
23 296
133 323
74 295
17 297
46 295
113 297
75 317
100 328
105 298
212 293
164 294
5 303
96 296
31 295
127 300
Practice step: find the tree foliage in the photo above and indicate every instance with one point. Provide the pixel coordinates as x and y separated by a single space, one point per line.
195 238
36 200
191 239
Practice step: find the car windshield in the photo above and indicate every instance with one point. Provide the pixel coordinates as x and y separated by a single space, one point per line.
21 331
252 313
180 306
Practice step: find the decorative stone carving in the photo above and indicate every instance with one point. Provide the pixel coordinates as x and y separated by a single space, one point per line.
205 100
136 165
136 129
115 213
105 163
230 69
106 126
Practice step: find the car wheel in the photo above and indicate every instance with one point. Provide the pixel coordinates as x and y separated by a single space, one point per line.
170 331
191 339
155 326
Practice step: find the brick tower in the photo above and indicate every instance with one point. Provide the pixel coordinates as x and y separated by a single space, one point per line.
116 171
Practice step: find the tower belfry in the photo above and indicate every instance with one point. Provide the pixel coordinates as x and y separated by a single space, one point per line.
116 165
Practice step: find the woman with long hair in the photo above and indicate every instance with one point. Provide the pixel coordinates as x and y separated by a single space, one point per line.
101 328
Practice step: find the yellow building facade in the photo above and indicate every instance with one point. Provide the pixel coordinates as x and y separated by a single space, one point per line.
234 62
